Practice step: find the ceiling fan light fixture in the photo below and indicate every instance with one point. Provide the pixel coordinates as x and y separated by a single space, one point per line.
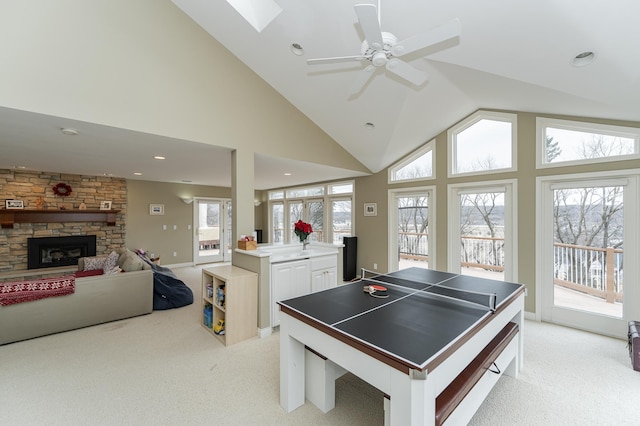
379 59
296 49
583 59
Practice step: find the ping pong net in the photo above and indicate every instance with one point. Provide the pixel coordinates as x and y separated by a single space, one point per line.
430 289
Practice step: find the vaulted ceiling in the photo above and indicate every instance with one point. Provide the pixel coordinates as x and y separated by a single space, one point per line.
510 55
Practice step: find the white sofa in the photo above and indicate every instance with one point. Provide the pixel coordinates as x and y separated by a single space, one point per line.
97 299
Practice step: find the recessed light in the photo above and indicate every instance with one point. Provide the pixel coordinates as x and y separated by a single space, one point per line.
69 132
159 157
583 59
369 126
107 174
137 173
296 49
287 174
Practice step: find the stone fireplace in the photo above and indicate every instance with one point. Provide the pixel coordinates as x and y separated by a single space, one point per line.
33 187
50 252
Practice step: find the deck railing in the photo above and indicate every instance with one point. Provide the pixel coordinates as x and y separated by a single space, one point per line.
590 270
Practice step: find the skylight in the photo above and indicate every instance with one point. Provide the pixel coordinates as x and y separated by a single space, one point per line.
259 13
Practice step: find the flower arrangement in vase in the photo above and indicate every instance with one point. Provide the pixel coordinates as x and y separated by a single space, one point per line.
302 230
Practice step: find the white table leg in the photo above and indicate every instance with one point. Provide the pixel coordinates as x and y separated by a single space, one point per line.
320 381
291 370
412 400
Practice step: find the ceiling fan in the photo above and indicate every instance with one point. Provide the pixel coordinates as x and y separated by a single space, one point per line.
383 49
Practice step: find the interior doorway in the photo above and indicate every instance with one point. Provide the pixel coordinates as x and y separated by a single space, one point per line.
211 219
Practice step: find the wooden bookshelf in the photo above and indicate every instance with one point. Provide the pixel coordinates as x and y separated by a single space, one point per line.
238 306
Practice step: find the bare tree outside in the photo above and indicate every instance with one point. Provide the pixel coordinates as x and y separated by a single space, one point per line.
341 219
482 217
316 219
413 225
421 167
295 214
600 146
277 224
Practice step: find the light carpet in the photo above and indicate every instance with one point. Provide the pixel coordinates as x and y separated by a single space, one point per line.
166 369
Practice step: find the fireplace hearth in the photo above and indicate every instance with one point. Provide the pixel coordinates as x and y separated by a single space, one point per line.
50 252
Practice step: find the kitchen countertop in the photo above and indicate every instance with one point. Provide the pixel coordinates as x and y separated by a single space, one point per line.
290 252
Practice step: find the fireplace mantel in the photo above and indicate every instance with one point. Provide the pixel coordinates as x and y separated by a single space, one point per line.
9 217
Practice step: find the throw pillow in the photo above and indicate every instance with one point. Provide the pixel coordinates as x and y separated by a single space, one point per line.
129 261
94 263
111 262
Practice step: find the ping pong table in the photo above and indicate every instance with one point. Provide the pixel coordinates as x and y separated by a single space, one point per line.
410 342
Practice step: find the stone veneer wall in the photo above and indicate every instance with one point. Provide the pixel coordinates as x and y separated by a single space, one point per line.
32 186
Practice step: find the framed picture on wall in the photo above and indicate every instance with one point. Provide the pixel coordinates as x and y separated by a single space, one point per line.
370 209
156 209
105 205
14 204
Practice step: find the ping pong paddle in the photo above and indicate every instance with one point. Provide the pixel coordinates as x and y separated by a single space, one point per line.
376 290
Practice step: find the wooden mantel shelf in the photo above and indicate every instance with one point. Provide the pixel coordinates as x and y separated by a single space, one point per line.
9 217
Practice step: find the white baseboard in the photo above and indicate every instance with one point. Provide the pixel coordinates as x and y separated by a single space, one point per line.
178 265
264 332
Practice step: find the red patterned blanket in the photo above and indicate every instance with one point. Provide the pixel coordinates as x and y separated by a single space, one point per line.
27 291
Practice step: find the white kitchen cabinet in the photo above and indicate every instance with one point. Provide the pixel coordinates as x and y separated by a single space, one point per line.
288 280
324 273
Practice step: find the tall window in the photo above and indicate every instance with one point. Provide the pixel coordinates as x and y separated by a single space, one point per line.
296 213
483 143
341 219
563 143
277 223
315 214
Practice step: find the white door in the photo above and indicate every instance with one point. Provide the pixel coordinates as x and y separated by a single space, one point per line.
210 231
589 228
409 231
482 237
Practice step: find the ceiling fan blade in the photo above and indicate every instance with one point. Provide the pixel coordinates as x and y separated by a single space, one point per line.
362 79
368 18
336 59
445 32
407 72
